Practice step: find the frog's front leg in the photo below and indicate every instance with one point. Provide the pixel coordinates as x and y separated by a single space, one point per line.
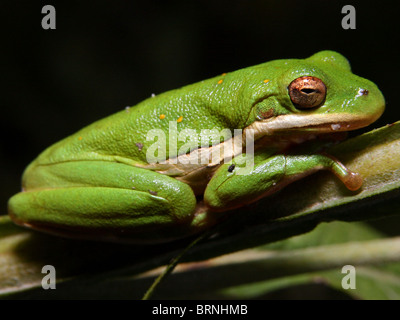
233 186
105 201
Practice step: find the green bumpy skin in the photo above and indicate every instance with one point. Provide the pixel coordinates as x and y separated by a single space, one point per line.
97 183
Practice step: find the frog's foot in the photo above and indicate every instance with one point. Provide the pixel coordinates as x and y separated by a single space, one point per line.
352 180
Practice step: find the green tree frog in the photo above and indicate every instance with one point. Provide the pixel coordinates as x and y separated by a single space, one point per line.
99 183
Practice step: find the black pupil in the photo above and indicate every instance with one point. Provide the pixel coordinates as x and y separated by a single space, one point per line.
307 91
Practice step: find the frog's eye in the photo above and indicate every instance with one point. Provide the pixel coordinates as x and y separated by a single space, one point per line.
307 92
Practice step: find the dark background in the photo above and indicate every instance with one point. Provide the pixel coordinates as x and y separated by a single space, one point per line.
105 55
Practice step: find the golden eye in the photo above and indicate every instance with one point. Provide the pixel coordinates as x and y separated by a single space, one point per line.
307 92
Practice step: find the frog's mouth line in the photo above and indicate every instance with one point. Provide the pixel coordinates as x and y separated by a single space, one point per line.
322 123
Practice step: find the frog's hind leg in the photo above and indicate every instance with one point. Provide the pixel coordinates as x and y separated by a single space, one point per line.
104 201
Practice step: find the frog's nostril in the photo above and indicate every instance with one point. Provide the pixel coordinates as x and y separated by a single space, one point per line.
362 92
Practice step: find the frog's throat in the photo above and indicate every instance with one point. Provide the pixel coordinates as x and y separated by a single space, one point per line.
317 123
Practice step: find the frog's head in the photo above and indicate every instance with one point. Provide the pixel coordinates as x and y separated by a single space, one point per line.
316 95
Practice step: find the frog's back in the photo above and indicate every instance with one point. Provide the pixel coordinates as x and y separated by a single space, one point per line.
123 135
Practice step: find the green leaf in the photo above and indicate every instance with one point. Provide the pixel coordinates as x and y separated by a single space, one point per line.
377 278
303 259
